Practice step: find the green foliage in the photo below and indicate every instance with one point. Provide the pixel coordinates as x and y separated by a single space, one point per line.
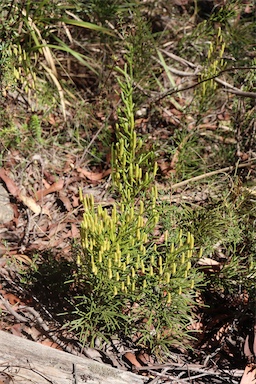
30 43
36 128
239 270
190 162
24 276
237 276
29 133
142 46
224 40
213 224
99 10
133 281
238 30
224 229
10 136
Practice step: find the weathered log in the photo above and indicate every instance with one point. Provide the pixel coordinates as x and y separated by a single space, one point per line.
24 361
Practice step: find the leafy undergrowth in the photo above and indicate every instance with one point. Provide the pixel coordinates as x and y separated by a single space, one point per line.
193 111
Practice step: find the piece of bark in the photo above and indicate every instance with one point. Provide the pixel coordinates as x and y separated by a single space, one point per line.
29 362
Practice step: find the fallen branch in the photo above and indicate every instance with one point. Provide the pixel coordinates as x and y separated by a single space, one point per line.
229 88
29 362
209 174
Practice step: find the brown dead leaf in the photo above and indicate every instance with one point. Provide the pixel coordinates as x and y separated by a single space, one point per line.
10 184
67 235
73 180
164 166
46 184
145 358
50 343
65 200
69 165
51 119
160 240
94 176
132 359
74 231
141 122
16 329
76 201
15 191
249 376
11 298
23 259
33 332
30 203
209 264
49 178
65 250
196 326
222 332
55 228
55 187
244 156
176 112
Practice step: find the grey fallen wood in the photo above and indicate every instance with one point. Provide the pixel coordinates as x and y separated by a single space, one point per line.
6 211
30 362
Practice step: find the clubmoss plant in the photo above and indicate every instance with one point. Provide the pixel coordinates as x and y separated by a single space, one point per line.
137 282
36 128
214 64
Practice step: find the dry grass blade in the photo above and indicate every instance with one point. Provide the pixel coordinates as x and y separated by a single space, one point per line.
78 56
59 88
84 24
162 62
45 49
